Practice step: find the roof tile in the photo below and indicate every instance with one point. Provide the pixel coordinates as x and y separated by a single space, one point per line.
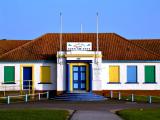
7 45
113 47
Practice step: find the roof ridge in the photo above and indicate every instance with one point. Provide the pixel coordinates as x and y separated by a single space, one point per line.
21 46
85 33
147 50
13 40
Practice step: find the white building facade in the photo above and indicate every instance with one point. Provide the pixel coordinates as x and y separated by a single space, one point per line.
79 67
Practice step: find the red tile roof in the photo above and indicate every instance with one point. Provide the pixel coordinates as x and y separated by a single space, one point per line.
151 44
7 45
113 47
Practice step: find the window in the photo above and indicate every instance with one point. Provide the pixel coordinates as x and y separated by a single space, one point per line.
45 74
131 74
114 74
149 74
9 74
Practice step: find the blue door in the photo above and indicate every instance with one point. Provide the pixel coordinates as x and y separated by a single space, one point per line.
27 78
79 77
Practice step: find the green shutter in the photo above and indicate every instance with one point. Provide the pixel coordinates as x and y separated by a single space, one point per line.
149 74
9 74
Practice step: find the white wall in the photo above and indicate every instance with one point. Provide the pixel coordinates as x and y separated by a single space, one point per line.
100 77
61 67
61 74
17 77
123 77
36 75
97 77
53 77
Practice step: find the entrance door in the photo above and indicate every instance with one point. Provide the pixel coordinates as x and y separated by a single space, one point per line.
79 77
27 78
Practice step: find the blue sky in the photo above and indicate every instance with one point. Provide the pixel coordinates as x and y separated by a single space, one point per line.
28 19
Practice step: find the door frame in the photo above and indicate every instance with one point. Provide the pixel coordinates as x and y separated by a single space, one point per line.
21 76
27 83
71 74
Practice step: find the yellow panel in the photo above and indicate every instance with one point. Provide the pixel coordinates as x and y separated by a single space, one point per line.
71 84
45 74
114 74
83 55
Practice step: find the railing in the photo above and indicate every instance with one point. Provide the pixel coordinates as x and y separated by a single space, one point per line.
133 97
28 87
24 98
17 86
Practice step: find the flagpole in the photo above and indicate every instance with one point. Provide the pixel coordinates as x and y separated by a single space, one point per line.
60 31
97 34
81 28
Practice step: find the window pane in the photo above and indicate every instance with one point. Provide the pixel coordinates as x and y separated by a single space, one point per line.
75 68
9 74
149 74
75 75
45 74
75 85
131 74
83 76
82 85
83 68
114 74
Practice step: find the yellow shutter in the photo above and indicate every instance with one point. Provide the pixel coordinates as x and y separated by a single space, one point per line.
114 74
45 74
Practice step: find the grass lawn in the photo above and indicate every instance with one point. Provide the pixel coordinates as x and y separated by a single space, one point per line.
136 98
33 114
140 114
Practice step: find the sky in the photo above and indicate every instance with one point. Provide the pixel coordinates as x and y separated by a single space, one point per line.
29 19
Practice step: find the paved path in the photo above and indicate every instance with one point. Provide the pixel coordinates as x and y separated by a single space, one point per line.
97 106
84 110
94 115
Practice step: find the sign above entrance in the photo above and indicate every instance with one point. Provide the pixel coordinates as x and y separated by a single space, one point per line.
80 46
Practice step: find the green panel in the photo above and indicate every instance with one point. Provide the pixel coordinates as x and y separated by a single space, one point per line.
149 74
9 74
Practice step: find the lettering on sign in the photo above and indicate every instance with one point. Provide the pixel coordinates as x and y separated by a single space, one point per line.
79 46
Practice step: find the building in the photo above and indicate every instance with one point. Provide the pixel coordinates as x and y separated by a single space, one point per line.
119 64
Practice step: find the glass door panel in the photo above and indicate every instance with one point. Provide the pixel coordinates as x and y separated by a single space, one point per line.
79 77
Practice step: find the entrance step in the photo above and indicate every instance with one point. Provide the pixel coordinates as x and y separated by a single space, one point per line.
86 96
